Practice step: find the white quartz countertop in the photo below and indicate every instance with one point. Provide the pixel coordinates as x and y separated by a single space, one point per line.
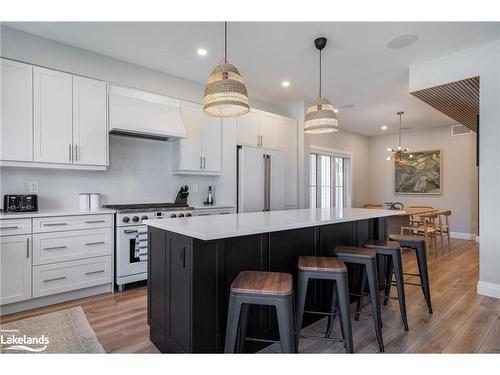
233 225
55 212
210 207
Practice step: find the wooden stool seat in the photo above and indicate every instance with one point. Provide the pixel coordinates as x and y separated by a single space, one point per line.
407 238
381 244
355 252
269 283
311 263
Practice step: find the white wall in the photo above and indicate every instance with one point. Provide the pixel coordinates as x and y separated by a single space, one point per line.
459 174
482 61
140 169
343 140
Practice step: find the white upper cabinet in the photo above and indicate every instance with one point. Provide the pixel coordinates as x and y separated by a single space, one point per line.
259 129
16 130
201 151
190 155
15 268
53 119
249 129
270 131
289 142
212 143
90 134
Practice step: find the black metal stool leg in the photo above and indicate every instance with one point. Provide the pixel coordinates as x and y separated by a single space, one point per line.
302 282
333 307
424 274
284 310
371 272
243 327
343 295
361 296
398 271
233 317
388 278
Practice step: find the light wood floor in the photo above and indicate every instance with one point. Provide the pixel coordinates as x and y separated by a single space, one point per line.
463 322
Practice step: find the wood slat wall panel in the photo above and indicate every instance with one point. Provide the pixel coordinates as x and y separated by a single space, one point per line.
458 100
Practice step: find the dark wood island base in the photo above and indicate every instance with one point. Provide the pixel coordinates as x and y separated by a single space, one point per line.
189 280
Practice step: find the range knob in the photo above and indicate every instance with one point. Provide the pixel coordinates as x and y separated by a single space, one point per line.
144 217
135 219
181 215
173 215
125 219
188 215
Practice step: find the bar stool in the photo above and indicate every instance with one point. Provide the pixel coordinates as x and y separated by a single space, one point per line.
392 251
325 268
261 288
367 258
417 243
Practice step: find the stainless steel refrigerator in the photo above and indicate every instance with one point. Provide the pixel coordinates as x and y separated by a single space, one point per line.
261 179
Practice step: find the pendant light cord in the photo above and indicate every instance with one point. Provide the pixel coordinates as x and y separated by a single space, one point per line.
225 41
320 73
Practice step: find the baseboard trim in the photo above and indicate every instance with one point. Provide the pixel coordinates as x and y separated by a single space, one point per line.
488 289
463 235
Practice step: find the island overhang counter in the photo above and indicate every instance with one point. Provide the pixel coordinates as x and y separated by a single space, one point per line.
192 262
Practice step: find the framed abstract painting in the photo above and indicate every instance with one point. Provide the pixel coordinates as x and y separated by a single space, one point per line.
420 174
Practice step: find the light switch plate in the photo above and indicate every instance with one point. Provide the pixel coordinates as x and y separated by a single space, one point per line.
33 187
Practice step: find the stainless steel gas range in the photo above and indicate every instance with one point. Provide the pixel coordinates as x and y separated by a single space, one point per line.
131 242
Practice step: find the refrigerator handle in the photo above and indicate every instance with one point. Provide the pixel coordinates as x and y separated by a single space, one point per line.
265 182
269 182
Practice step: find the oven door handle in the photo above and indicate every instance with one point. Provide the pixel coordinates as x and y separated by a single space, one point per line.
130 231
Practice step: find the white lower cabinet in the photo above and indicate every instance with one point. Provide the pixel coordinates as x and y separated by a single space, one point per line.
71 245
15 269
66 276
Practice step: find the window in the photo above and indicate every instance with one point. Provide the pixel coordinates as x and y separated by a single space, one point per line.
329 180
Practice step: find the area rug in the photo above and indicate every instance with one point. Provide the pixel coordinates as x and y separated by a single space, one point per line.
65 331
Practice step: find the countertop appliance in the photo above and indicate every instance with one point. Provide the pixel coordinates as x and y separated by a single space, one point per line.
261 180
20 203
131 241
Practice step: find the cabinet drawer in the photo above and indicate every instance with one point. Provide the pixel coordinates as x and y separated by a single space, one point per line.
71 245
65 276
60 223
9 227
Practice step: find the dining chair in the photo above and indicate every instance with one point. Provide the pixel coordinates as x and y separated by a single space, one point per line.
443 227
426 227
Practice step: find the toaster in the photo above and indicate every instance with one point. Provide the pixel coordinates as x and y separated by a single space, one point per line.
20 203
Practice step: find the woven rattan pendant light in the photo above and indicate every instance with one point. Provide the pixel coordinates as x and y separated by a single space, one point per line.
320 115
225 92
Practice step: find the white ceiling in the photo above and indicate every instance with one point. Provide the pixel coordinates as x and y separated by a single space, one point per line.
358 67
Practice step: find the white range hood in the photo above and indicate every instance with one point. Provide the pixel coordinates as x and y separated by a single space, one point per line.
143 114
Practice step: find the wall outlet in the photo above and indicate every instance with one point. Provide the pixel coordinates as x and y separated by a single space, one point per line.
194 188
33 189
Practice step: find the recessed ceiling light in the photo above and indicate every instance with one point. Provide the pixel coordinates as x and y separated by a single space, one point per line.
346 106
202 52
336 110
285 83
384 127
402 41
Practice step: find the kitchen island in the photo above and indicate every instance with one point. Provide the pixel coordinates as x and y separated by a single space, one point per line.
193 261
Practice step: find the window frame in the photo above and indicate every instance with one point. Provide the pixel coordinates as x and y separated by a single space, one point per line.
347 157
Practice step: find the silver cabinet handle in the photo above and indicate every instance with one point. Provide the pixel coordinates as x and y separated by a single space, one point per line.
93 272
70 148
204 163
76 152
128 231
54 224
56 247
27 247
201 162
3 228
94 221
95 243
54 279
